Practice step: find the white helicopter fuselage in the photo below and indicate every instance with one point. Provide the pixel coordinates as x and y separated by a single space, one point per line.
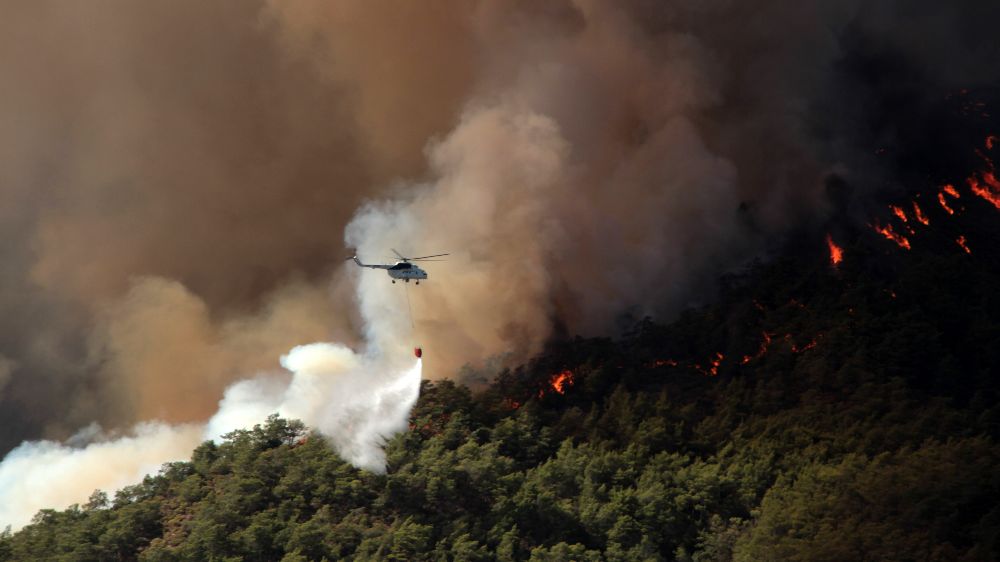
407 271
400 270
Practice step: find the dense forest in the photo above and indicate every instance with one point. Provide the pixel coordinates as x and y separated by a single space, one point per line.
815 411
836 401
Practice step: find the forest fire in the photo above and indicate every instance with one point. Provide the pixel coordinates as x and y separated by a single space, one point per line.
961 242
944 204
766 343
919 214
836 252
560 381
713 366
990 192
796 349
983 184
761 351
890 234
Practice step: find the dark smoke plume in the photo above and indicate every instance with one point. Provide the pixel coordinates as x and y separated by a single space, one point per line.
178 178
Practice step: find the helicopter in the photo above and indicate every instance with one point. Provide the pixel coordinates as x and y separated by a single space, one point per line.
402 269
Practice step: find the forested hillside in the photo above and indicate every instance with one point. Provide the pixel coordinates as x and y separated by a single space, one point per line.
705 281
816 411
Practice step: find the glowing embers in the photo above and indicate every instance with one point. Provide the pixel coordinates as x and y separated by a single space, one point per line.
797 349
663 363
836 252
713 366
947 189
767 340
944 204
919 214
891 234
961 242
990 191
983 184
986 184
764 344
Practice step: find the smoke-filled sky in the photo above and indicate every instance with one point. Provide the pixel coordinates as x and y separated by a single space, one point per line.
181 181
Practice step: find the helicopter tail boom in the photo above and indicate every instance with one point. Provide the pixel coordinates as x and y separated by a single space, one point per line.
373 266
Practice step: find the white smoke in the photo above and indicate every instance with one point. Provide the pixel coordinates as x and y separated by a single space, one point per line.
352 399
46 474
344 395
357 400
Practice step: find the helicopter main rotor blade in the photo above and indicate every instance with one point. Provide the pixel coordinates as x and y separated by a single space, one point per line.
400 256
425 257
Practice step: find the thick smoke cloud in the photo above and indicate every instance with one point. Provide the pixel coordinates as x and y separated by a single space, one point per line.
357 400
169 360
177 179
51 475
175 141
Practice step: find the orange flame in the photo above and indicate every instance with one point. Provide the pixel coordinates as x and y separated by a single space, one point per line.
899 212
991 192
917 212
890 234
961 242
560 381
950 190
511 404
990 141
664 363
760 352
944 204
713 366
836 252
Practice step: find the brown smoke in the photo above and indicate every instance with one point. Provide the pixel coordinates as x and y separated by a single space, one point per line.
406 67
168 359
177 178
176 141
